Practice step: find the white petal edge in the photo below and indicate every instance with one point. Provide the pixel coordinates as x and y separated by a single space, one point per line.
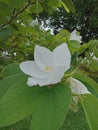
32 69
62 55
77 87
37 81
44 57
74 36
52 78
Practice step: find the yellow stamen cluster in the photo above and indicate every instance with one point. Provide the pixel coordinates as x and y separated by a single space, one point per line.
48 69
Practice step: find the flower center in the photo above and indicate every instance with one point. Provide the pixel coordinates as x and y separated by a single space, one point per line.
48 69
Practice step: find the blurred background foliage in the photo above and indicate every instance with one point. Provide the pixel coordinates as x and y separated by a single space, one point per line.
85 20
17 36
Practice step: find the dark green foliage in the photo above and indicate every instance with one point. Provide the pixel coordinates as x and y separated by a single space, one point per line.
85 20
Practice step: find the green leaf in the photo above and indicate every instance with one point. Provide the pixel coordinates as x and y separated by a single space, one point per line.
53 3
2 19
62 36
50 107
70 5
91 85
96 52
90 106
75 44
16 101
74 58
94 65
10 70
17 3
5 1
4 9
8 82
5 33
83 48
36 8
65 7
93 44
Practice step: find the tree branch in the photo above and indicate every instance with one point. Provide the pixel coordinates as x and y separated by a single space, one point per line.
16 14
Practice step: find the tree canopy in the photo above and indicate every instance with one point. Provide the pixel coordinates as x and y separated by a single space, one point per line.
85 20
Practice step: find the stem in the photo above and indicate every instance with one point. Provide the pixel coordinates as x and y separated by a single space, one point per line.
16 14
72 73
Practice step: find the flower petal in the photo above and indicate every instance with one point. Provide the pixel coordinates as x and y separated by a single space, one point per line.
52 78
44 57
32 69
62 55
62 69
37 81
56 75
74 36
77 87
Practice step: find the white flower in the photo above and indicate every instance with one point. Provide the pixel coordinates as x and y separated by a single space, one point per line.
77 87
74 36
34 23
94 57
49 68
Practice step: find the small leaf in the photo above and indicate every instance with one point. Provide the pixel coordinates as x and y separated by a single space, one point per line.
94 65
90 106
62 36
75 44
96 52
70 5
53 3
65 7
36 8
92 44
50 107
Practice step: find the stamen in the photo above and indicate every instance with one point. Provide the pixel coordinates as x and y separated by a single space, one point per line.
48 69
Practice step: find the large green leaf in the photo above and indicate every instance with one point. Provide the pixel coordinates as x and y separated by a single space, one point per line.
91 85
8 82
11 69
16 102
90 106
51 107
69 4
